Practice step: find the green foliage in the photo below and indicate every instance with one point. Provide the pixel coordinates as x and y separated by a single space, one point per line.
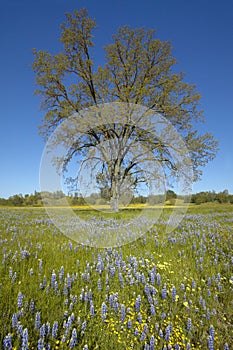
170 195
207 197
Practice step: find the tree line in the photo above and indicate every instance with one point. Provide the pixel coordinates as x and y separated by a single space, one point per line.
35 199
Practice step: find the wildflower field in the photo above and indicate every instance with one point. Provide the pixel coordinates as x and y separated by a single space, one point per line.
163 291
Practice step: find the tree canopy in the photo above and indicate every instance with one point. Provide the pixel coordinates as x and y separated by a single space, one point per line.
139 70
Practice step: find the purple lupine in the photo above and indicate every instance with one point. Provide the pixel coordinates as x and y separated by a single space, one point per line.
160 333
73 298
73 340
14 277
61 274
177 347
226 347
138 303
189 325
54 330
19 329
47 327
56 286
122 312
139 318
53 278
164 291
14 320
68 281
111 300
104 311
210 343
152 343
25 339
84 326
85 347
173 293
63 339
188 346
86 296
20 300
145 328
42 331
106 280
211 331
32 305
129 323
153 290
167 333
182 286
152 309
116 306
70 320
99 285
152 277
7 342
92 310
37 321
143 336
121 279
65 290
143 279
40 344
112 271
147 289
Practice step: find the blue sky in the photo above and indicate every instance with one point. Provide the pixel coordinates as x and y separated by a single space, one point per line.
201 34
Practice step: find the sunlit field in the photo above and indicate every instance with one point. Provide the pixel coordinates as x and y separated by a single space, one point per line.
163 291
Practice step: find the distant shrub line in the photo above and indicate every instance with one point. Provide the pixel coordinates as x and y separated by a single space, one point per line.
35 199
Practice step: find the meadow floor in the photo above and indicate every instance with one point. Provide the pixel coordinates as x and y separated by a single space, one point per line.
166 290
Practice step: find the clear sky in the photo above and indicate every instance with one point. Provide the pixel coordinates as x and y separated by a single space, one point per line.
201 33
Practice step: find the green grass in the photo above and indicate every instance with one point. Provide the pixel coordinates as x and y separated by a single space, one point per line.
196 258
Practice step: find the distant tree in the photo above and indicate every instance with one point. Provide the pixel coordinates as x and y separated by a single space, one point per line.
223 197
16 200
139 70
170 195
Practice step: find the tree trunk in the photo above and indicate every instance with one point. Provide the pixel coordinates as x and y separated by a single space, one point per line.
114 200
114 204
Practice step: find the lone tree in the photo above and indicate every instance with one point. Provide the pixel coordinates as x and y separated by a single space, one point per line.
138 71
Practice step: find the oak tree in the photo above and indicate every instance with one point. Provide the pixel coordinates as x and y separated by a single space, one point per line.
139 70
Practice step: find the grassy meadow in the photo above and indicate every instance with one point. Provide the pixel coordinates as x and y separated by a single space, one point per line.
163 291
